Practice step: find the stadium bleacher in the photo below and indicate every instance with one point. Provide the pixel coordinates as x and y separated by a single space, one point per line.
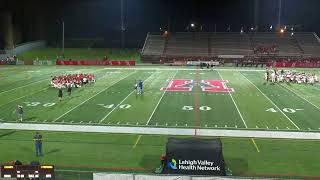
210 45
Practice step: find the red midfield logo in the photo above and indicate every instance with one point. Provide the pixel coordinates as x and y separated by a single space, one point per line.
206 85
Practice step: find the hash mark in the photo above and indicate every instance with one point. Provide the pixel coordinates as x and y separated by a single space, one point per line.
215 125
71 122
177 125
166 124
186 125
277 127
309 129
127 123
225 126
89 122
81 122
257 127
236 126
109 122
267 127
118 122
288 128
137 123
156 124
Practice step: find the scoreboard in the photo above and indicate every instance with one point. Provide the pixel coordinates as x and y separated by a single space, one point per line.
27 171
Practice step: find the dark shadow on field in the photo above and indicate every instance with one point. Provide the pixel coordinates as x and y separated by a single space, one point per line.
52 151
7 134
150 162
237 166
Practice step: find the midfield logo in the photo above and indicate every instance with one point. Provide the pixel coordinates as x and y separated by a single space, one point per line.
206 85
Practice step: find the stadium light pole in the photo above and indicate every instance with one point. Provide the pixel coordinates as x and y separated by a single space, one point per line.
122 26
63 38
279 14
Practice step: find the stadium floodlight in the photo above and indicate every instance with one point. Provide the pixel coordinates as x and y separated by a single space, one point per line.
292 29
192 24
251 28
271 27
281 30
292 33
285 27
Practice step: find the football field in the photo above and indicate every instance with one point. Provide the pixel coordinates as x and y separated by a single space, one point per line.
172 97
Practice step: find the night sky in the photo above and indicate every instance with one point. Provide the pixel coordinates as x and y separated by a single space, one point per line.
101 18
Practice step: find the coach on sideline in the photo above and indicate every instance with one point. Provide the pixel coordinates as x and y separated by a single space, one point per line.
38 142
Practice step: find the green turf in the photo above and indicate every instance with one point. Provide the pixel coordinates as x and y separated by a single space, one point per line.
81 54
111 101
115 152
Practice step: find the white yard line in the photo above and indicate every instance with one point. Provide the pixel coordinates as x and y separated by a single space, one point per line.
24 96
164 92
235 104
300 96
93 96
162 131
23 86
122 101
270 101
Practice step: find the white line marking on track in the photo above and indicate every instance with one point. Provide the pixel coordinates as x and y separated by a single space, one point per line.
122 101
81 122
270 101
164 92
93 96
245 124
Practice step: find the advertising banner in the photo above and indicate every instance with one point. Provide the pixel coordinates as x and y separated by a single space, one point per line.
194 156
96 63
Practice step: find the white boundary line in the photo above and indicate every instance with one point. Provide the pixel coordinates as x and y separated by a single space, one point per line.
162 131
270 101
93 96
164 92
300 96
244 122
123 100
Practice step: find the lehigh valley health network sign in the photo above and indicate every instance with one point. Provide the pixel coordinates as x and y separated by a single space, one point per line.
193 165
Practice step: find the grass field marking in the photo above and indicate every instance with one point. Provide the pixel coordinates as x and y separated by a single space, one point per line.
23 86
137 141
270 101
255 145
164 92
24 96
102 119
235 104
115 82
299 96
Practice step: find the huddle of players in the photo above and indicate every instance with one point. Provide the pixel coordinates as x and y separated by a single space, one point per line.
71 80
273 75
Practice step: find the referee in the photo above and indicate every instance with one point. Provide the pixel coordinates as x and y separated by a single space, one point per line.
38 142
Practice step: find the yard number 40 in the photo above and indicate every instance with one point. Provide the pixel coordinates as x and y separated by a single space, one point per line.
287 110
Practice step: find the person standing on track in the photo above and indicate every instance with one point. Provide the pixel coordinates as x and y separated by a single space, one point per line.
140 86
